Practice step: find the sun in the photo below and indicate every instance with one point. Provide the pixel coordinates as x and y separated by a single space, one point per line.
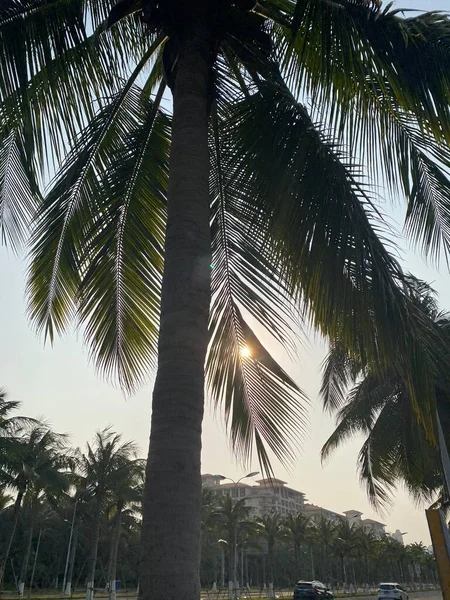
245 352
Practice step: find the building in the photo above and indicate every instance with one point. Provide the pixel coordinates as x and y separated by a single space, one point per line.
273 495
354 517
269 495
317 513
398 536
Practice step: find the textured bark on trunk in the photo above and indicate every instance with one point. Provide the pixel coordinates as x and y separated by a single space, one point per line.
112 570
172 502
92 562
4 559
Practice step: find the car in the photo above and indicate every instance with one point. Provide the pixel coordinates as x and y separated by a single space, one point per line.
391 591
311 590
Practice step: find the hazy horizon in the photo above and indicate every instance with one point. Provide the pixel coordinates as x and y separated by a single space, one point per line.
60 384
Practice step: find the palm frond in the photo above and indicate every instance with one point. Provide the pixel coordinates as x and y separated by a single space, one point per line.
61 90
360 410
317 218
120 290
380 80
70 207
262 404
339 370
19 193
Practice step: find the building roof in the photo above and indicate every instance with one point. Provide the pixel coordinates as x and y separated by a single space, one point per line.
354 512
209 475
232 485
271 482
372 521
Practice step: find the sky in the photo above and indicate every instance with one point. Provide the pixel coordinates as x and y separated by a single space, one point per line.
59 383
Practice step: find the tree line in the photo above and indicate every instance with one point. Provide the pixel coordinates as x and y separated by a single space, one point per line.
276 550
51 493
71 517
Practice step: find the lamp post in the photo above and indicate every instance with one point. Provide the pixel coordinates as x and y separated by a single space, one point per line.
344 570
222 546
236 483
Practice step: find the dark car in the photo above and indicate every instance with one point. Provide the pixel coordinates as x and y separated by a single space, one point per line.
310 590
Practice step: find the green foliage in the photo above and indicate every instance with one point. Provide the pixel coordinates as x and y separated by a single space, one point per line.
307 99
378 405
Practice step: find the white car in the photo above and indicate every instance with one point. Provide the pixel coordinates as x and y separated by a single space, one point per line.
391 591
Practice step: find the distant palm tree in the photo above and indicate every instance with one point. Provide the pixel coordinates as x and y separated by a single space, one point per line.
233 516
11 426
297 526
260 210
34 464
377 403
102 470
345 544
42 477
324 533
365 543
271 530
126 495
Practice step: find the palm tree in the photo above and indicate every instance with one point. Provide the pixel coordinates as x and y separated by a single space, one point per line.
378 404
34 464
126 495
271 529
233 516
345 543
324 533
259 209
39 472
365 543
103 472
11 427
297 526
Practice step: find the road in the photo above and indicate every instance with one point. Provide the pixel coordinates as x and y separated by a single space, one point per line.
423 595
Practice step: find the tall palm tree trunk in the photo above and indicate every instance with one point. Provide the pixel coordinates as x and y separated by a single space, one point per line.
92 562
172 502
15 520
270 557
112 570
25 560
73 551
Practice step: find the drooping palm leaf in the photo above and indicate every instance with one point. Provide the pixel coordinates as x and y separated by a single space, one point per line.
253 387
120 291
397 448
68 211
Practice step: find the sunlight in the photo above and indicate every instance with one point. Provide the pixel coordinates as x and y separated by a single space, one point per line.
245 352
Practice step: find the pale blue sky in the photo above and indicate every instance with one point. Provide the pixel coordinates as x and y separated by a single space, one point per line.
59 383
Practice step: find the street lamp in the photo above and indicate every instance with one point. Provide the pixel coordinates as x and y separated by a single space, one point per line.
343 560
222 546
236 483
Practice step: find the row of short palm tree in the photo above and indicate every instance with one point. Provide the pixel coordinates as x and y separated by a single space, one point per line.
276 550
50 491
67 514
